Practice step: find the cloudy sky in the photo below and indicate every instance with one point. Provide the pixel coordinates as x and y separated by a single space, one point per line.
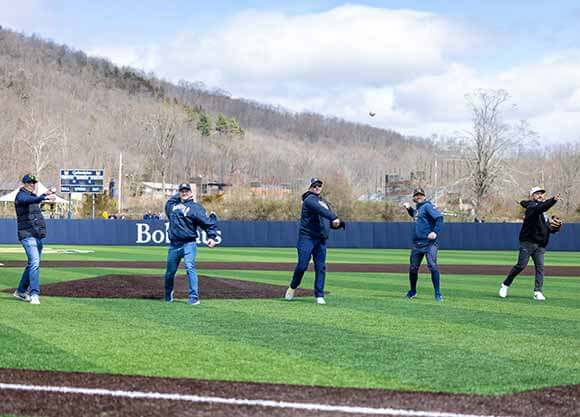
411 62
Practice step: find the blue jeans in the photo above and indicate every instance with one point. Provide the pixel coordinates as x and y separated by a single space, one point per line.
307 248
30 281
418 252
176 252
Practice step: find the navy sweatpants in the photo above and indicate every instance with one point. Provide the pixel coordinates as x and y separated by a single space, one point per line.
417 253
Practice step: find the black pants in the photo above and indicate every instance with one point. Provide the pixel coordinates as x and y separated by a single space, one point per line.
536 252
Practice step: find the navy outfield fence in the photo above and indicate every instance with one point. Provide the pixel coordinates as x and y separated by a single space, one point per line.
379 235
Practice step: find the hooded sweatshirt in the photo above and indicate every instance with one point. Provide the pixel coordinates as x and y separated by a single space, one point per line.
535 228
427 219
315 217
184 219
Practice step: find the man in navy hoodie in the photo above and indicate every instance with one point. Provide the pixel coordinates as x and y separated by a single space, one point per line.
31 231
428 222
315 220
185 216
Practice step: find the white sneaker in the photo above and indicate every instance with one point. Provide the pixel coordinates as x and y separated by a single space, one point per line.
538 296
503 291
320 300
289 294
34 299
22 296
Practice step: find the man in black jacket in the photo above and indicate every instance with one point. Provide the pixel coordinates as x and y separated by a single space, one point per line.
31 231
315 221
534 237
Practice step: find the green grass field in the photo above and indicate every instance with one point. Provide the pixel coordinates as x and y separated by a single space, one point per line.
367 336
378 256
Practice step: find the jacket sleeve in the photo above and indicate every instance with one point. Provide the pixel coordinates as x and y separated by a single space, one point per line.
169 205
313 204
207 223
26 200
541 207
437 216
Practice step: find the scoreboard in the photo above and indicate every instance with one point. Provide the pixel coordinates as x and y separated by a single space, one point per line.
82 181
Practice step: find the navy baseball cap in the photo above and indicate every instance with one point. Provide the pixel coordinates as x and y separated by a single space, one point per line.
29 179
418 191
184 186
315 181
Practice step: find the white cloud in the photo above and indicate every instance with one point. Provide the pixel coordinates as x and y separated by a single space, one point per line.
409 67
32 16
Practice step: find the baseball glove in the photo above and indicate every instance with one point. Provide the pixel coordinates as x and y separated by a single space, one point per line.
341 225
555 224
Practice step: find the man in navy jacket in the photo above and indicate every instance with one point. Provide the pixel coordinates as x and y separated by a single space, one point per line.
185 216
315 221
428 223
31 231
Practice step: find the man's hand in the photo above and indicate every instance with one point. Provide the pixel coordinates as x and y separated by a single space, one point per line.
211 243
432 236
50 197
336 222
557 197
406 205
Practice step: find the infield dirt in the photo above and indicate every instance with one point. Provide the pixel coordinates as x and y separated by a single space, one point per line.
552 402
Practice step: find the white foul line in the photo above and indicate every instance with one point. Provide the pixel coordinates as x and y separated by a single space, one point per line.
231 401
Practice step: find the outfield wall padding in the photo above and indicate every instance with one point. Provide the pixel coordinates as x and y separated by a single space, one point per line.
380 235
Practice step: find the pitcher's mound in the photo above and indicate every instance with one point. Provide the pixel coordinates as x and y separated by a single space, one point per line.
151 287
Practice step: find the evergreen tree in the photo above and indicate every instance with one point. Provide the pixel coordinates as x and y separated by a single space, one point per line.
204 124
222 125
235 128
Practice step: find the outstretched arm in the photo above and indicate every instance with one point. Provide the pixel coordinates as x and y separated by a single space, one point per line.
543 206
320 208
26 200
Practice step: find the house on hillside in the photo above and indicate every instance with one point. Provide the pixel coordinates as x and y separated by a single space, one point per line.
259 189
159 190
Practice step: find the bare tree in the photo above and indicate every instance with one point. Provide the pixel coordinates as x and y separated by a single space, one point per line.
38 134
488 143
162 127
566 175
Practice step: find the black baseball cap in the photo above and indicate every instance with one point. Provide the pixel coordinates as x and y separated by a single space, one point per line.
184 186
315 181
29 179
417 191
